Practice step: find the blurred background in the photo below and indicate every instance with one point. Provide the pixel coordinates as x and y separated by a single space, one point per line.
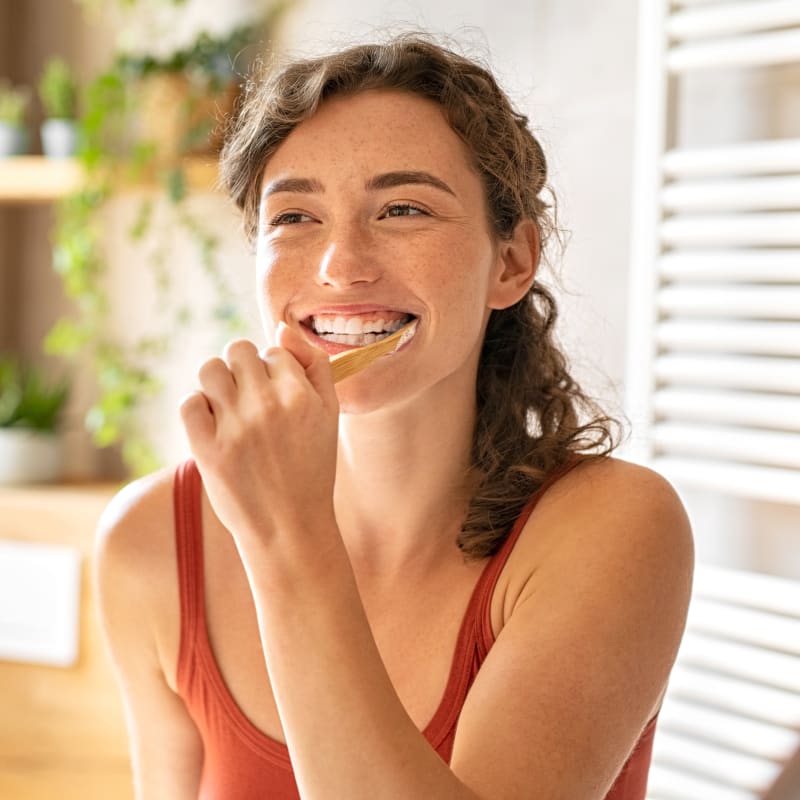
671 131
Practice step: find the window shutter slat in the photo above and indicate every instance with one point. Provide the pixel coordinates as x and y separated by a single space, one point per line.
732 18
755 50
745 230
731 266
744 336
732 408
780 156
740 194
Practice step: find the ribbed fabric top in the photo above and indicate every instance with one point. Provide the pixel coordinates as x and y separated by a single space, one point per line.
242 762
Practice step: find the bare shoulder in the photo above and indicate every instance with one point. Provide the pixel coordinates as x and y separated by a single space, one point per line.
138 606
134 529
614 503
135 561
611 526
623 480
593 614
603 566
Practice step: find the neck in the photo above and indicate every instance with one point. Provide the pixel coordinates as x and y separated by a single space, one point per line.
401 483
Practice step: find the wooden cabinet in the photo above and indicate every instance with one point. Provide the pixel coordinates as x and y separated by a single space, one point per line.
62 730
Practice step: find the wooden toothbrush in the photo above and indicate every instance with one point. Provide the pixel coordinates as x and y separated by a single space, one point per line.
352 361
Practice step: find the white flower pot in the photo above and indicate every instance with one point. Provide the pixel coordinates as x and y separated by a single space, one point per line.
59 138
13 140
29 456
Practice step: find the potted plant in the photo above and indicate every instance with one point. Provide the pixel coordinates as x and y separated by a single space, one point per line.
30 412
183 97
58 91
14 102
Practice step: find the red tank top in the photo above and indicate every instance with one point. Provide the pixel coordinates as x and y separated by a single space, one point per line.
242 762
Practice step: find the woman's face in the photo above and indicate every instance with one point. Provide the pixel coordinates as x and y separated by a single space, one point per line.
371 213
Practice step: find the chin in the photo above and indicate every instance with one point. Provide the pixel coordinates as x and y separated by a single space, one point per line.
363 394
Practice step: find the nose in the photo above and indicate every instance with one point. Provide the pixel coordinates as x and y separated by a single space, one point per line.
347 259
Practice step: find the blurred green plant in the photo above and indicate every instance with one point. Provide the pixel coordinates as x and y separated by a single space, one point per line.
14 101
209 59
58 90
30 399
114 156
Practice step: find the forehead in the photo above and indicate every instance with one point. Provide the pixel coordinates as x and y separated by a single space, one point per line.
374 129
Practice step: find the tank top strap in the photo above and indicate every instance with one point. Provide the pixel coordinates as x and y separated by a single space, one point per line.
476 637
488 580
187 498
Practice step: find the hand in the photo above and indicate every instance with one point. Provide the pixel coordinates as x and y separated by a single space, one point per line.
263 432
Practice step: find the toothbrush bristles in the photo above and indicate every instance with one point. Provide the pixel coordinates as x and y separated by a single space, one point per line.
352 361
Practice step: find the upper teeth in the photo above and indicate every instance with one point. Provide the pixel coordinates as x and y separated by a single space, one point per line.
354 325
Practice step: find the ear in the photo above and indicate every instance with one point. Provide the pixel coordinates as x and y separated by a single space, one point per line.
517 262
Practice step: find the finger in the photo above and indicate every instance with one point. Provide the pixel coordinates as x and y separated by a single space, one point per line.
244 363
217 384
279 362
197 418
287 378
314 361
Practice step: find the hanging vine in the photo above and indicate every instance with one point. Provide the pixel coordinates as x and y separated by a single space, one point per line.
113 158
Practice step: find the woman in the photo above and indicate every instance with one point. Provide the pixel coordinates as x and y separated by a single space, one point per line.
431 580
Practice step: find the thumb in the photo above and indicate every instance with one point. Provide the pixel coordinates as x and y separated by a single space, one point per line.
314 361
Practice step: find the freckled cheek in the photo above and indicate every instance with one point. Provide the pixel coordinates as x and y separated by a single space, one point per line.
273 290
453 285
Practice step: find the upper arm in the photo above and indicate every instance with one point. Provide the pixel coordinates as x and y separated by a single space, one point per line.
580 665
130 569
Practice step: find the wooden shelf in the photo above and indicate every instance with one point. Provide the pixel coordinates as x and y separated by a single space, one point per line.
36 179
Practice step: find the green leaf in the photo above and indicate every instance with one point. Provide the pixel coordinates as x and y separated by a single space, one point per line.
67 338
58 89
29 398
104 432
142 222
140 456
175 184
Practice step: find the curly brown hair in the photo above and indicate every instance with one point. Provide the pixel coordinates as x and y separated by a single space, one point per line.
529 407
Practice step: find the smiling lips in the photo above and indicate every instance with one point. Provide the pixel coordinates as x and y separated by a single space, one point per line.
357 330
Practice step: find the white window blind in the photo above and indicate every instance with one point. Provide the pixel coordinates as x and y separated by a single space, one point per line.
713 378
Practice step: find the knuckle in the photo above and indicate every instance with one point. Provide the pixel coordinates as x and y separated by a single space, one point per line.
239 347
273 352
265 396
210 368
191 404
274 355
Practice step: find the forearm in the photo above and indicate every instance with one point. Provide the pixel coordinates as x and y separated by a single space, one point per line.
347 731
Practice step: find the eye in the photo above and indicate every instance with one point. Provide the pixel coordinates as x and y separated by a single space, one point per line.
289 218
403 210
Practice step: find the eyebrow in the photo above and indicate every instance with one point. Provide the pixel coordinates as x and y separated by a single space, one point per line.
296 185
387 180
390 180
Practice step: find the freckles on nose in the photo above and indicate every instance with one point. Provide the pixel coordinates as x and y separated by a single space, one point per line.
347 264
